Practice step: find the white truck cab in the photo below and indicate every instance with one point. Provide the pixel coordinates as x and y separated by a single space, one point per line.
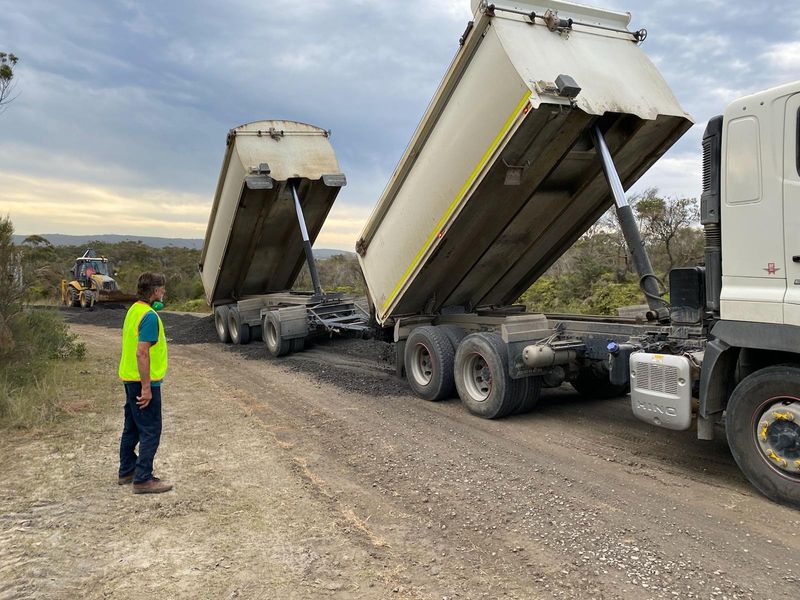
760 208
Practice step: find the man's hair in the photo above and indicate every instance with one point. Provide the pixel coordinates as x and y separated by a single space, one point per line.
147 284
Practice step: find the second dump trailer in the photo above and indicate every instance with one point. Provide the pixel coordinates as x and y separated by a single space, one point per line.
279 180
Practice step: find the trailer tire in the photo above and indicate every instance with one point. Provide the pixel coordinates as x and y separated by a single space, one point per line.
297 345
239 331
777 476
590 384
271 328
429 358
221 324
482 379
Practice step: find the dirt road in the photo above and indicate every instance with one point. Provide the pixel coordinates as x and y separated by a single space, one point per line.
320 475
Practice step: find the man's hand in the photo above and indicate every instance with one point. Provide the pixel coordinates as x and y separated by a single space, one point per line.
143 400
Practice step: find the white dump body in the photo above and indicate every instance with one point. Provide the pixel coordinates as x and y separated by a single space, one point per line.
253 243
501 176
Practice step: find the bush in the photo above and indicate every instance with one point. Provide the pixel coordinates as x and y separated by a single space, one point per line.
33 343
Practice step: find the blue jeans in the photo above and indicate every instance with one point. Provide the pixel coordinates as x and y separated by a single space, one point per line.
142 426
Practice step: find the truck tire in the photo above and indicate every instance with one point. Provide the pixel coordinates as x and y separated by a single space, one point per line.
74 298
271 328
239 331
482 379
531 392
429 358
221 324
762 423
590 384
454 333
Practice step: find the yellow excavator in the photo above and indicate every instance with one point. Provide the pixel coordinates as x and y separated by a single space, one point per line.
92 282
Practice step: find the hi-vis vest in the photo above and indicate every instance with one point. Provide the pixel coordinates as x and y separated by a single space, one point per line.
128 369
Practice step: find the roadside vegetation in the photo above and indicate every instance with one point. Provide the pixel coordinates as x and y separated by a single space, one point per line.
37 351
596 276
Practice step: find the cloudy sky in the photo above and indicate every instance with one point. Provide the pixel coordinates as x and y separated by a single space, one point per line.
123 105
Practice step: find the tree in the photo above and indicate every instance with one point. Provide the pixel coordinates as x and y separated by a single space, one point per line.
663 221
10 285
7 82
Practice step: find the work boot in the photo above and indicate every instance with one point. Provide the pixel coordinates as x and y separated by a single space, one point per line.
125 479
151 486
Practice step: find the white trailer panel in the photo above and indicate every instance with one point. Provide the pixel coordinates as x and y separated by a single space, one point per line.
501 176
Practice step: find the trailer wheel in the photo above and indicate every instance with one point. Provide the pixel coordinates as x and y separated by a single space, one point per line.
239 331
591 384
762 423
297 345
271 329
482 379
429 357
221 324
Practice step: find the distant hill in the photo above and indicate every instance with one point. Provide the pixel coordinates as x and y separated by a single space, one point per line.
60 239
323 253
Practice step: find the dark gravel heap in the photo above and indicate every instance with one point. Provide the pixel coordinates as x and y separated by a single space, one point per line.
180 328
351 364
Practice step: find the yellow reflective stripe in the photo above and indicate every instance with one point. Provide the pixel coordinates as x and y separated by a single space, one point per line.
470 180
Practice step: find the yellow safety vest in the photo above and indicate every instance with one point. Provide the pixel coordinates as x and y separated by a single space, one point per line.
128 368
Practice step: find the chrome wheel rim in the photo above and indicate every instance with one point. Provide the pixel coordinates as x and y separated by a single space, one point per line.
777 434
477 377
421 365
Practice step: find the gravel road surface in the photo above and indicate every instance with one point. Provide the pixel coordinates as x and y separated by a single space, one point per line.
576 500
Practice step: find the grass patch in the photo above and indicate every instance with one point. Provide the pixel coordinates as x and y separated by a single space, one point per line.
35 368
198 305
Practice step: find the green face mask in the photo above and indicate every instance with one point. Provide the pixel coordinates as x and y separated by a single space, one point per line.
157 305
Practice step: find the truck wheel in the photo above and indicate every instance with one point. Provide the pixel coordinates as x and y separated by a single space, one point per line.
271 328
482 379
239 331
454 333
221 324
429 358
74 299
593 385
762 422
531 392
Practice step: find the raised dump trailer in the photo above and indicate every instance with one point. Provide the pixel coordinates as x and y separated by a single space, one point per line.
279 180
548 111
501 176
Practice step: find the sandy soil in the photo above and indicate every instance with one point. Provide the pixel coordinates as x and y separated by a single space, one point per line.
320 475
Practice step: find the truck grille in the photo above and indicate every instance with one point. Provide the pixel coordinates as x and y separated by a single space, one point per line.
657 378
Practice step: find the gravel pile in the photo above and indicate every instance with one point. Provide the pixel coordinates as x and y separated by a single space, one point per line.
180 328
351 364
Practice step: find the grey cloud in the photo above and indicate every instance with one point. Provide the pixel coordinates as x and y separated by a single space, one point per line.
142 93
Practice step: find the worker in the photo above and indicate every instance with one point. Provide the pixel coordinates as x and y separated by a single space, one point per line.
142 368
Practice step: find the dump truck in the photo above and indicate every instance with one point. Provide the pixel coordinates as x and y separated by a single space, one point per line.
92 282
548 113
279 180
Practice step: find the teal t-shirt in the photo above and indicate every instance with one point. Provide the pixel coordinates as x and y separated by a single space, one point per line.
148 332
